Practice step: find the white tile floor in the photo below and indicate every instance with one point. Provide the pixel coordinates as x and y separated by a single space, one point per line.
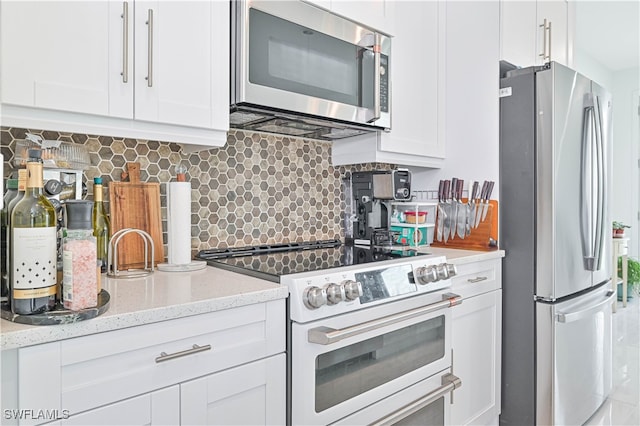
623 405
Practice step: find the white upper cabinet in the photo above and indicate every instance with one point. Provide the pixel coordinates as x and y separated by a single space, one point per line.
51 59
417 70
524 38
375 14
141 69
177 63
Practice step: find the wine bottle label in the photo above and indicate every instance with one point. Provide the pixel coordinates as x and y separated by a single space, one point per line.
34 262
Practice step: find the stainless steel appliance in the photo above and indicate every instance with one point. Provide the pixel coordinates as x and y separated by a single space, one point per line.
367 213
555 162
369 330
300 70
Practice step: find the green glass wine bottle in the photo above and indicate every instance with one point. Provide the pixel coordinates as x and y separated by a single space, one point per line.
101 224
33 246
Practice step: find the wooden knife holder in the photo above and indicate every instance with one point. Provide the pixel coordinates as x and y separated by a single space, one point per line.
482 238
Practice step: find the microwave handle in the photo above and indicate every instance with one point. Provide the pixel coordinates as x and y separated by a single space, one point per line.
373 42
327 336
376 77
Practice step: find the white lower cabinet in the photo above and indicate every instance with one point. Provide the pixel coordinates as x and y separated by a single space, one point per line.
161 407
252 394
477 337
202 369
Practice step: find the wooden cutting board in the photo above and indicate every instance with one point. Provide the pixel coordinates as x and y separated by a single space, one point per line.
136 204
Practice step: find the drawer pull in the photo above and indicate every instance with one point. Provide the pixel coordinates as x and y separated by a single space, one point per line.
477 279
194 350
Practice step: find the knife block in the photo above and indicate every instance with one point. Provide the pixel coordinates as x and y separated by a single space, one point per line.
480 238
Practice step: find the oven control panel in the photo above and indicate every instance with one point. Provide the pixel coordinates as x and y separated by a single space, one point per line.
319 294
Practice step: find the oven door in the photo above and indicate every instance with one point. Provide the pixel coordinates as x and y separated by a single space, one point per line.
293 56
366 356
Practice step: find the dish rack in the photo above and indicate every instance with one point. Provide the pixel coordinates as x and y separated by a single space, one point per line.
414 221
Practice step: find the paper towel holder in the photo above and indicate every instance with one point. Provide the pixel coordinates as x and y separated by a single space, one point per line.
112 255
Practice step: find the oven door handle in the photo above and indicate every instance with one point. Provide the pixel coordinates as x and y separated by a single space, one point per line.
449 384
327 336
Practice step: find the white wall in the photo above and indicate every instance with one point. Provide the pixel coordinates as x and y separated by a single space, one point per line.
585 64
626 142
472 107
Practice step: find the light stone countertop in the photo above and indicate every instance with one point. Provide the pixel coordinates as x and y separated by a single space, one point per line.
158 297
164 296
460 257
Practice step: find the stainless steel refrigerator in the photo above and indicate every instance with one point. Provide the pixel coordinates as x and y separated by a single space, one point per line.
555 163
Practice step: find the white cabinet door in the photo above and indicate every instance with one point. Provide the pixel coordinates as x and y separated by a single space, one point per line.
477 324
417 89
66 56
556 14
161 407
181 72
518 34
251 394
523 36
376 14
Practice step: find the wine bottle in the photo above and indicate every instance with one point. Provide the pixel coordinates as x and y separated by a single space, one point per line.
22 184
101 224
33 246
12 191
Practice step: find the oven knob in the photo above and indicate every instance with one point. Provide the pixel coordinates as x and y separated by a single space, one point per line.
352 289
426 274
443 271
314 297
334 293
451 269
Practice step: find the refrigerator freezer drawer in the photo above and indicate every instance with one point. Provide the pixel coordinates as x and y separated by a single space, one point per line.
574 355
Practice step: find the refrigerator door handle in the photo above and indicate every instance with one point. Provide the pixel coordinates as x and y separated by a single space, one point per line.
587 233
567 317
602 184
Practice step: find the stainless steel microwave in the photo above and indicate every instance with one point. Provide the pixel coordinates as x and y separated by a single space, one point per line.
300 70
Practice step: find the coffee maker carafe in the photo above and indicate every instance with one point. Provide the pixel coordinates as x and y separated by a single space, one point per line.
367 212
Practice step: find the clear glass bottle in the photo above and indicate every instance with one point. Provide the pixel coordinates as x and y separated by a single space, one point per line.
79 273
101 224
22 184
12 191
33 246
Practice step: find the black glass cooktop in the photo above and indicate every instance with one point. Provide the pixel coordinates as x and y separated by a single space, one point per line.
272 262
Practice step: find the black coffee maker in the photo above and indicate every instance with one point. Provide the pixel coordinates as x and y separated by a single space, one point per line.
367 198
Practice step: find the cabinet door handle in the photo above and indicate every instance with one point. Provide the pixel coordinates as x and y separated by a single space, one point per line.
194 350
149 77
125 42
546 40
477 279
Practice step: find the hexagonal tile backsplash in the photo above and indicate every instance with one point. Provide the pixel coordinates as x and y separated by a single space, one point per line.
257 189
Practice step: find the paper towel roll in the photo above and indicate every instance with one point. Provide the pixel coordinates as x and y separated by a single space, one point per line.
179 222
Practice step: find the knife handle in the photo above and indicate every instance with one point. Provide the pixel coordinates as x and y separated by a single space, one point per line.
454 188
460 189
441 191
447 184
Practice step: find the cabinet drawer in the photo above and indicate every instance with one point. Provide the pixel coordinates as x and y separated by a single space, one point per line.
102 368
623 246
477 278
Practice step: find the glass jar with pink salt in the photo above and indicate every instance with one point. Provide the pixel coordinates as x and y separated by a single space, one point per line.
79 254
